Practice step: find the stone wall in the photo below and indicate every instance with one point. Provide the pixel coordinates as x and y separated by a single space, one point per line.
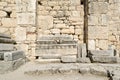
27 20
60 17
103 24
8 20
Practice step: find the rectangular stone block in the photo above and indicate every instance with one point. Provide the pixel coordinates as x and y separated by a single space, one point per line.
4 36
102 52
13 55
26 18
84 51
104 59
6 47
68 59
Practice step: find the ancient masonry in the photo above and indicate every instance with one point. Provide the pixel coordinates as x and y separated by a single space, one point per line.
29 20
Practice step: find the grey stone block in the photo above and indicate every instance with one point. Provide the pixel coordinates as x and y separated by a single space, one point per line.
102 53
104 59
83 60
13 55
6 40
68 59
4 36
6 47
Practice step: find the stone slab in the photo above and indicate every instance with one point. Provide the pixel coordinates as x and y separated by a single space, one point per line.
83 60
68 59
84 50
101 52
4 36
13 55
47 61
6 47
104 59
6 40
50 56
56 51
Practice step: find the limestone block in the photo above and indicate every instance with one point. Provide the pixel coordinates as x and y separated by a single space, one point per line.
26 18
83 60
13 14
32 5
3 14
68 59
8 22
6 47
47 61
97 32
14 55
102 52
20 34
52 3
93 20
55 31
98 70
104 59
3 4
103 44
84 50
91 44
61 26
31 37
45 22
3 30
98 7
75 2
67 31
76 13
78 31
84 70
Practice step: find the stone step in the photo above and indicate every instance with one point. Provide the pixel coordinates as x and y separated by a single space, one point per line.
69 59
4 36
102 52
47 60
104 59
50 56
6 40
6 47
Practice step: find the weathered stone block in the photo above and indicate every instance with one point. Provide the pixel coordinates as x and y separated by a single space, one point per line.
91 44
104 59
47 61
20 34
8 22
102 52
98 70
6 47
55 31
68 59
26 18
3 14
14 55
83 60
45 22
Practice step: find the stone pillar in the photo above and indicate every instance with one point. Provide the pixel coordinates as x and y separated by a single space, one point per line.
25 32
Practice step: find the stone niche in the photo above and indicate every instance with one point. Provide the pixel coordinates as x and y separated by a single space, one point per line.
55 46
